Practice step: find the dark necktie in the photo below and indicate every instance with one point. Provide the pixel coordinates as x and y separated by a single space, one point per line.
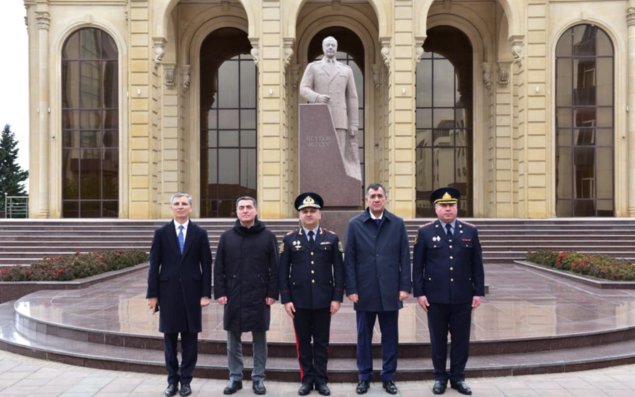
378 221
181 238
448 228
311 236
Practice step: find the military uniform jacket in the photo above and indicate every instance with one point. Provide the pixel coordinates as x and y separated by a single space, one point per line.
311 275
448 270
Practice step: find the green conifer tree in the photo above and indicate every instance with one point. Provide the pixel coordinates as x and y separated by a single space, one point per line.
12 177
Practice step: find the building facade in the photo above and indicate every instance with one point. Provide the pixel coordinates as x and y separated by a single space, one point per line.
522 105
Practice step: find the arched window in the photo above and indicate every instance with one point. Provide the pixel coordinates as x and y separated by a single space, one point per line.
584 123
444 118
229 96
90 125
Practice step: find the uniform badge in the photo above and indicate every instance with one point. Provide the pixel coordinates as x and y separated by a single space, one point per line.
297 245
436 238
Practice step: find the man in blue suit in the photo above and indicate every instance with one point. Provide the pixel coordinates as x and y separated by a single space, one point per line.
311 288
377 263
449 282
180 281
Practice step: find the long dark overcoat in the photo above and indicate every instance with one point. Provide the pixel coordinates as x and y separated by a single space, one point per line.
246 272
377 262
448 270
180 281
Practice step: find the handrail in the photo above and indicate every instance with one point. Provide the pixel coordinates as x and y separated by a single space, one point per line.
16 206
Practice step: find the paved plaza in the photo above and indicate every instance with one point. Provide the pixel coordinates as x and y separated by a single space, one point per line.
23 376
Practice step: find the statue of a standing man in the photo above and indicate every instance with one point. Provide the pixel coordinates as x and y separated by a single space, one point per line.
331 82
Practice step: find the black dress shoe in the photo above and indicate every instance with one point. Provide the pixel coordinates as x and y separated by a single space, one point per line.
462 387
233 386
439 387
362 387
259 387
305 389
323 389
170 390
390 387
186 390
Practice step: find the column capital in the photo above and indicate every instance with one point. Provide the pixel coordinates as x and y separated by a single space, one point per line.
630 16
43 19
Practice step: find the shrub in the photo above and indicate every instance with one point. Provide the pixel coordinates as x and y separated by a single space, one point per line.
599 266
71 267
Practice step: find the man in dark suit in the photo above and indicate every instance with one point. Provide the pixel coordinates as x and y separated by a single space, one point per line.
377 263
311 279
449 282
180 281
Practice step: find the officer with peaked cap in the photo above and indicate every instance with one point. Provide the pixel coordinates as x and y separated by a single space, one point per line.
311 278
449 281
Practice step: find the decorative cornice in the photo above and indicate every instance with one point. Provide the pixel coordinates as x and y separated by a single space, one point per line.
158 49
517 51
487 74
169 74
255 49
419 40
503 73
630 16
43 19
288 50
187 76
385 50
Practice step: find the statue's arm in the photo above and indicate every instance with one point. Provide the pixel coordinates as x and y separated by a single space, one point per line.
306 85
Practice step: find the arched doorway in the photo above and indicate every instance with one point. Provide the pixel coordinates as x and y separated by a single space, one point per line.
229 109
444 140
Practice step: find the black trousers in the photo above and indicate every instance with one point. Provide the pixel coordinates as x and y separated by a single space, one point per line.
312 330
189 355
455 319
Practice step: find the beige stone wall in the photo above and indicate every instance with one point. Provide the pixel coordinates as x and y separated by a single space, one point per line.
159 42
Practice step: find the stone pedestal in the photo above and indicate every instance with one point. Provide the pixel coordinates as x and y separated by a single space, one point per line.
337 221
321 166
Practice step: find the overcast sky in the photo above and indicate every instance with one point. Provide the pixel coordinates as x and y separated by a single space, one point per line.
14 92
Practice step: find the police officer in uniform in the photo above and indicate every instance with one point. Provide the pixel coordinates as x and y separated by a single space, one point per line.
311 278
449 282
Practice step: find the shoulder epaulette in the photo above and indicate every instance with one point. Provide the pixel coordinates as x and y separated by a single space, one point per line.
290 233
469 224
427 224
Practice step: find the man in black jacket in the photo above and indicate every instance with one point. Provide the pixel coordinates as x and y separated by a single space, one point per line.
179 279
311 288
246 283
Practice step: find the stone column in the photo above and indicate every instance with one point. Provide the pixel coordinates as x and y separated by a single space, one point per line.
630 21
41 210
143 147
402 59
270 55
